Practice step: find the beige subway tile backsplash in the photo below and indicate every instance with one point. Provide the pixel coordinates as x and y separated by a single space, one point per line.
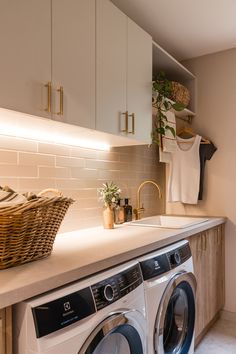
83 173
33 166
108 156
108 175
36 159
12 143
69 162
85 153
35 184
18 171
54 149
11 182
56 172
8 157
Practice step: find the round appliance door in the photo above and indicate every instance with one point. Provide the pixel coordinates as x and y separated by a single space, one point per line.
176 316
119 333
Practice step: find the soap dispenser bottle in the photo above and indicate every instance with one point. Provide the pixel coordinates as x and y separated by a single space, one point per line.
119 214
127 210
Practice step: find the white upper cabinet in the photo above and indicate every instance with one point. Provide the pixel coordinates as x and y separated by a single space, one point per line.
123 75
25 59
73 61
139 82
81 62
111 63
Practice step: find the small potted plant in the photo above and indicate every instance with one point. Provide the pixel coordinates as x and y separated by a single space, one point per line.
162 94
109 195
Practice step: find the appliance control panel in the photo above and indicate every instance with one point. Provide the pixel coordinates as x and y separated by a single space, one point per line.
54 315
163 263
112 289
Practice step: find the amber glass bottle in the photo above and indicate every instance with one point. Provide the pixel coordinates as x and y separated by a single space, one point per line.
127 210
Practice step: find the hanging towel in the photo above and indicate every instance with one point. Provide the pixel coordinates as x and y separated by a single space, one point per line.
169 143
183 184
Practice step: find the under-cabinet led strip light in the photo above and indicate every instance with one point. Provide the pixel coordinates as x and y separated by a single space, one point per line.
30 127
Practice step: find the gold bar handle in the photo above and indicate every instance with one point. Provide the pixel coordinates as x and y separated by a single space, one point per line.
61 112
133 123
126 114
49 87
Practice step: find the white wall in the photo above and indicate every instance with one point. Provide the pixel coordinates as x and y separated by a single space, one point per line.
216 119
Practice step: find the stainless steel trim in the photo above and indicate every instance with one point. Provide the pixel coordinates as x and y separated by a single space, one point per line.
106 326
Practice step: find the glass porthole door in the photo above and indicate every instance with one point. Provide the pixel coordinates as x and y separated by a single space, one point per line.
176 316
114 335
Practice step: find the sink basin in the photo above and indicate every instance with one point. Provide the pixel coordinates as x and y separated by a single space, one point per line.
170 222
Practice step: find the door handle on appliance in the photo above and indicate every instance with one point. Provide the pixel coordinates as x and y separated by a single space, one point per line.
49 87
61 92
133 123
126 122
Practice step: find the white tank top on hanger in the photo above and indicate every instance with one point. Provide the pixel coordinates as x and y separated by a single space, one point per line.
184 176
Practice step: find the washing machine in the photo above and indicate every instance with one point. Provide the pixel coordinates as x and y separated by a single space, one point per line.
170 287
104 314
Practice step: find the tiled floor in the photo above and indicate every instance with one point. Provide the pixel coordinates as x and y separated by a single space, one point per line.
221 339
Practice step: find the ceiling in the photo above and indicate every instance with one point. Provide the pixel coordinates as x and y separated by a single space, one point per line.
186 28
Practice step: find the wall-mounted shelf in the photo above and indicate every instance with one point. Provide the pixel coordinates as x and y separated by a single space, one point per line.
186 115
176 72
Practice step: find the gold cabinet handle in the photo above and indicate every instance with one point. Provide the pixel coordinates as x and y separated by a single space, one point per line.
133 123
126 114
49 87
61 92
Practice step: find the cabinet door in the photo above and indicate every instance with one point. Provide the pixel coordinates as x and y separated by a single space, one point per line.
73 61
220 267
215 263
111 63
208 258
25 60
6 331
139 83
196 249
2 336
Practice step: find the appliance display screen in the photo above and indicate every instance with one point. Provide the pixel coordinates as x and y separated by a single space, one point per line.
62 312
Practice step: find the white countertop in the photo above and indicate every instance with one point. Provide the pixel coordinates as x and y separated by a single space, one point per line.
81 253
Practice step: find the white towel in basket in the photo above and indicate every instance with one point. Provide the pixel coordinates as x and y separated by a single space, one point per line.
9 198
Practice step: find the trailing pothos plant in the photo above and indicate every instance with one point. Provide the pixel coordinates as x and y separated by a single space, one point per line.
162 93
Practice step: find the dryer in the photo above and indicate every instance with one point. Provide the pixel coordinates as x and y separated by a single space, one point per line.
104 314
170 288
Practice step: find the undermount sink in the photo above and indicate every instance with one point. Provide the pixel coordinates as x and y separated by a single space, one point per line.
169 222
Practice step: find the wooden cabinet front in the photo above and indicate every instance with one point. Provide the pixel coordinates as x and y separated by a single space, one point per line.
208 258
6 331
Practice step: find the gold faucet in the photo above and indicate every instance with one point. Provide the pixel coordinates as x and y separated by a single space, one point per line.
138 211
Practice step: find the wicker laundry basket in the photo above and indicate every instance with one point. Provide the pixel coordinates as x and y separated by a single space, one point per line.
28 230
180 93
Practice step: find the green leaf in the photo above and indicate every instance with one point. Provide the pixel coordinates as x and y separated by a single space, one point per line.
178 106
162 116
172 130
161 131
